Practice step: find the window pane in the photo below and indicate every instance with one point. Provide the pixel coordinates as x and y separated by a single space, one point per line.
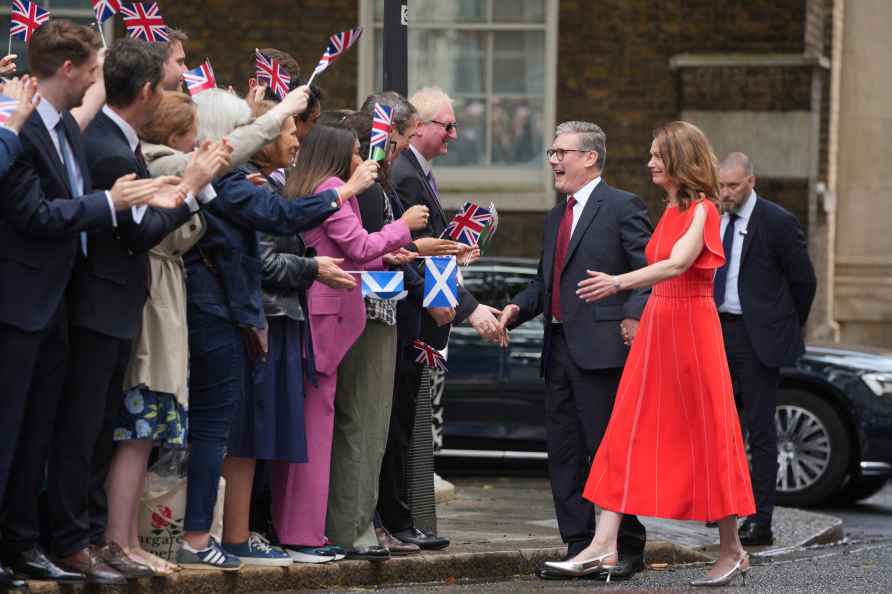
519 62
517 132
525 11
470 146
18 46
453 60
451 11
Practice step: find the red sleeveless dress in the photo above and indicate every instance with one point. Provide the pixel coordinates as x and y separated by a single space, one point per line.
673 447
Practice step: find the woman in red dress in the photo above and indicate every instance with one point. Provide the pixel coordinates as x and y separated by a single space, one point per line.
673 448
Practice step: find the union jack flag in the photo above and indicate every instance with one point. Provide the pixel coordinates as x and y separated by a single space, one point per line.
144 21
429 356
337 45
200 79
381 123
468 224
25 18
105 9
272 73
7 108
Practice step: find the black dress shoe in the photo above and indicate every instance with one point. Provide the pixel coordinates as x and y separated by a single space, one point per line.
33 564
425 541
8 581
755 534
369 553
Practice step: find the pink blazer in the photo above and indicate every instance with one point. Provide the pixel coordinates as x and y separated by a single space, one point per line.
337 317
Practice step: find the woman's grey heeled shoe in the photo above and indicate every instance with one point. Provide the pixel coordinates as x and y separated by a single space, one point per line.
742 567
581 568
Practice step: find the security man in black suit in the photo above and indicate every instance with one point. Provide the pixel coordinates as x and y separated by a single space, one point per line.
106 299
598 227
764 294
46 210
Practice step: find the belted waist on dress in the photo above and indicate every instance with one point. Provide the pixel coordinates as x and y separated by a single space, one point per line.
680 288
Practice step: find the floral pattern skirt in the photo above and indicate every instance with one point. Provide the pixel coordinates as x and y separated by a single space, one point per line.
147 414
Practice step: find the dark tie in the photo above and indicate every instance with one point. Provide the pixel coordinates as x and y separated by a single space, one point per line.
70 172
721 276
141 160
433 183
560 254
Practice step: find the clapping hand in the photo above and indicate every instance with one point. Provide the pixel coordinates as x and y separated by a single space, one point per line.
209 161
22 90
7 64
399 257
169 192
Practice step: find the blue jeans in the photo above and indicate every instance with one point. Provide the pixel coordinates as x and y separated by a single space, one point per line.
217 375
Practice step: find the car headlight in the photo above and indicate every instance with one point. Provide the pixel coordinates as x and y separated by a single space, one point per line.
879 383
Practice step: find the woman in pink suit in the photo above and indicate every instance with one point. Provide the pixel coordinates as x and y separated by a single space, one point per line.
337 318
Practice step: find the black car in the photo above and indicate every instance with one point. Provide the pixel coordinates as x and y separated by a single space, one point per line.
834 410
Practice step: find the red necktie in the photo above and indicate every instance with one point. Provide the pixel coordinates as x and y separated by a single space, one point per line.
560 254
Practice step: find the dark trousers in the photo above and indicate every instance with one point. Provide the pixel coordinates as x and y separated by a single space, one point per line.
32 373
217 375
755 388
393 483
578 404
82 440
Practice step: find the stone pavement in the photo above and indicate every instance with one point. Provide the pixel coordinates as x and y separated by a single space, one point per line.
500 527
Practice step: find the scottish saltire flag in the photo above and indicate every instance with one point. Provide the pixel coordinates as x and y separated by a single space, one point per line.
200 79
271 72
429 356
440 281
381 125
25 18
143 21
337 45
383 285
105 9
7 108
468 224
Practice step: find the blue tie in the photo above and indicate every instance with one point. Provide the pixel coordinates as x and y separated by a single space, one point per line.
721 276
70 171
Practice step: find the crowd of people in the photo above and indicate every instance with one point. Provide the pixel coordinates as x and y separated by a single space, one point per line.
181 271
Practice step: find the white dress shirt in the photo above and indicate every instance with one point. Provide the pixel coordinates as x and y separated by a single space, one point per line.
731 304
582 195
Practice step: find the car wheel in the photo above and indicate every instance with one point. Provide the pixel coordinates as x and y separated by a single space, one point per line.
859 489
813 449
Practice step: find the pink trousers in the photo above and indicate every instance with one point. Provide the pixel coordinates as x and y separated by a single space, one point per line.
300 491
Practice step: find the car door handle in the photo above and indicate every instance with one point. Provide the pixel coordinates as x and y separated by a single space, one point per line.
526 356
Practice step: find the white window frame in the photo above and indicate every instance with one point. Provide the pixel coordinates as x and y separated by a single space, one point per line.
510 188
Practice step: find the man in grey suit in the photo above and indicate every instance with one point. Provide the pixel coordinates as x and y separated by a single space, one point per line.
597 228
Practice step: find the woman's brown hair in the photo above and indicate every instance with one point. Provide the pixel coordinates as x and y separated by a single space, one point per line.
176 114
261 157
326 152
689 160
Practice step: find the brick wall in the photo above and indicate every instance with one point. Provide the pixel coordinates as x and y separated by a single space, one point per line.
227 32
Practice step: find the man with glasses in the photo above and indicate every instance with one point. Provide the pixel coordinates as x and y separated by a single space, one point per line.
596 228
414 183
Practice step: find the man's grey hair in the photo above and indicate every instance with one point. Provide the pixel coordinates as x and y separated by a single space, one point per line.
403 111
738 160
591 138
428 101
219 113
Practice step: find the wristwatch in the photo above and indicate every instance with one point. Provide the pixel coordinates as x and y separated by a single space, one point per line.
616 285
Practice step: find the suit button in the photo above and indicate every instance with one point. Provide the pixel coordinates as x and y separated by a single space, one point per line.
193 227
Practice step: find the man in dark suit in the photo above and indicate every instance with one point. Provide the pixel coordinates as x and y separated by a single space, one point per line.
597 228
414 183
46 209
107 295
764 294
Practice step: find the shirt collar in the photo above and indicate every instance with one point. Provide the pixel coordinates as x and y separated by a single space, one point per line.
584 193
127 129
425 164
745 210
49 115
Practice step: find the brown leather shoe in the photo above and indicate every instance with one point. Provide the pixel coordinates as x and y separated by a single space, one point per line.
87 562
396 547
115 557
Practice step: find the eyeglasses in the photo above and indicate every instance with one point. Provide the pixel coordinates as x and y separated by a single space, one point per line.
448 126
561 153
